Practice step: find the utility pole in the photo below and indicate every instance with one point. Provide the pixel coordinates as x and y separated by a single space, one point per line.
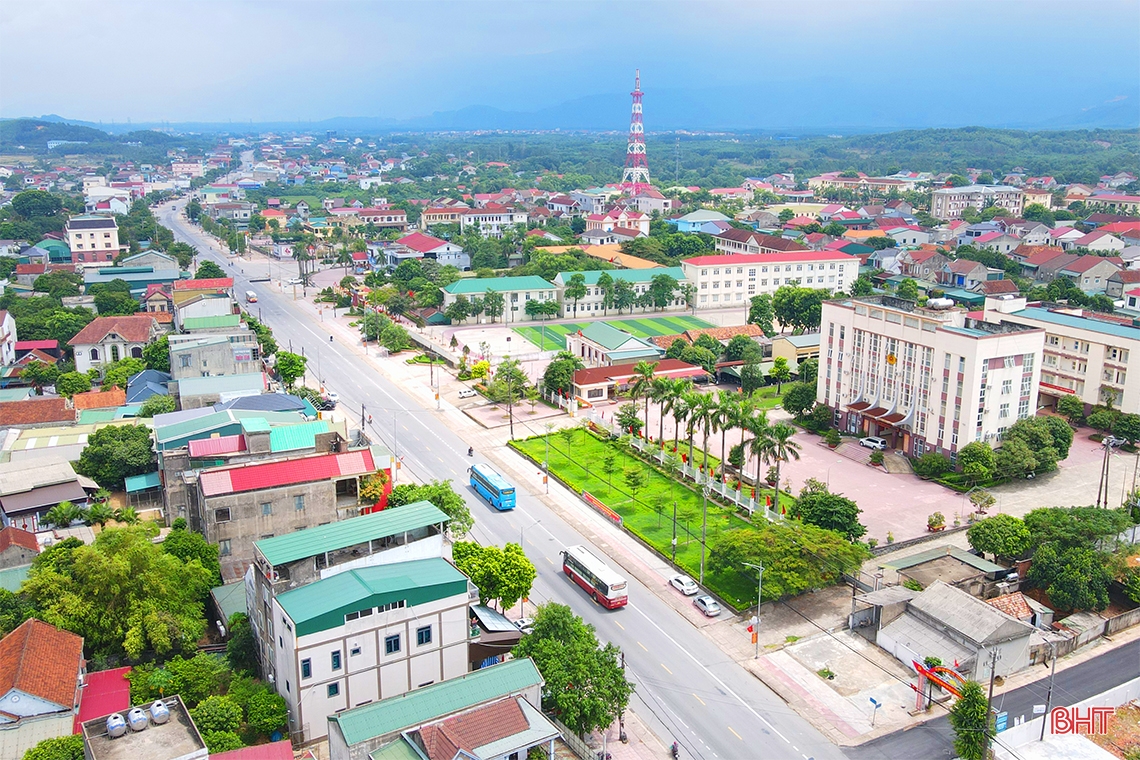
704 525
1049 694
511 405
990 698
674 494
759 588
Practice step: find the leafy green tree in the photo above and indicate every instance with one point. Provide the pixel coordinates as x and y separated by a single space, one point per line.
780 372
184 253
609 466
290 367
605 283
63 515
99 514
737 347
624 295
971 720
819 507
70 383
33 203
501 575
627 419
576 289
443 495
862 286
493 304
1061 433
1102 420
39 374
111 303
585 686
977 460
559 374
122 594
1015 460
59 748
241 649
157 404
761 313
1076 527
157 354
217 713
267 712
799 308
809 371
700 356
907 289
634 481
1127 426
120 372
188 545
58 284
208 270
786 215
662 290
1074 578
704 340
799 398
796 556
642 385
221 741
116 452
1001 535
458 310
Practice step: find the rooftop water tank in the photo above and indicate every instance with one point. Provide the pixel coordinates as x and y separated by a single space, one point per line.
137 719
940 303
116 725
159 712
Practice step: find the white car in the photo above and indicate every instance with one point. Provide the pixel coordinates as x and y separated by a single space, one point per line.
707 605
294 281
873 442
684 584
526 625
467 393
332 397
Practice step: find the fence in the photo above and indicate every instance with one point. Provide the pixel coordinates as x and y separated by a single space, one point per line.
573 741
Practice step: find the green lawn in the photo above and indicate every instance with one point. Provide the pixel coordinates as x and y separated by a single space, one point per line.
640 327
649 516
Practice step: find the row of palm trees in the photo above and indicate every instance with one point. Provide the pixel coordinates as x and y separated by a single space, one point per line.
66 513
709 413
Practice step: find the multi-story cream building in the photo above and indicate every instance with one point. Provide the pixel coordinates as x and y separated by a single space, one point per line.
949 202
367 634
1085 354
926 379
92 238
492 220
732 280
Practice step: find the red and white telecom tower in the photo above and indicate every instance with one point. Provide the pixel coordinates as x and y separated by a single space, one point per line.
635 178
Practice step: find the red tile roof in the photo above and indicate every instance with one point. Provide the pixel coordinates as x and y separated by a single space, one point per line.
162 317
1126 276
257 476
133 329
999 287
621 373
207 284
41 660
472 729
222 444
420 242
36 411
12 536
28 345
104 692
1085 263
1013 605
282 750
1044 255
101 399
732 259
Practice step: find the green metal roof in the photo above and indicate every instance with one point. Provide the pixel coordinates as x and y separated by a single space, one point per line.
91 416
12 578
1082 323
629 275
290 547
609 337
978 563
801 341
197 386
444 698
293 437
255 425
230 598
15 394
142 482
401 749
211 323
322 605
208 423
500 284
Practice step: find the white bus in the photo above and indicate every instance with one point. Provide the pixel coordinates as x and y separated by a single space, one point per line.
605 586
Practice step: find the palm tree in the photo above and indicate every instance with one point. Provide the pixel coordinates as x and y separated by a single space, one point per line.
702 416
659 394
730 414
756 425
782 448
127 515
678 405
62 515
643 385
99 514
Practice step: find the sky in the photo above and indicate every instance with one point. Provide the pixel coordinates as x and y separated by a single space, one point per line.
753 63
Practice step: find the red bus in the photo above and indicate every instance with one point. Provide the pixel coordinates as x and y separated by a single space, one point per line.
606 587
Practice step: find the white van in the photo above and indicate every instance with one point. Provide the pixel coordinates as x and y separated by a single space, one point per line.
250 296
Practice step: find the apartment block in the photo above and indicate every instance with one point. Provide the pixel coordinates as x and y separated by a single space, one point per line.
925 378
732 280
949 202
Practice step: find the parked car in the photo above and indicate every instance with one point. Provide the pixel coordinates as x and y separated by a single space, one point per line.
1112 441
294 281
332 397
467 393
707 605
873 442
526 625
684 584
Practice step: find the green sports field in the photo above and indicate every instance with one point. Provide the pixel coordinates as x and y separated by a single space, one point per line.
640 327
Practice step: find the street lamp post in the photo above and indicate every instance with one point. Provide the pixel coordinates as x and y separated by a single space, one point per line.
759 587
704 525
837 461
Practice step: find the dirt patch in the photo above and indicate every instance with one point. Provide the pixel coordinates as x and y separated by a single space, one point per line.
1122 737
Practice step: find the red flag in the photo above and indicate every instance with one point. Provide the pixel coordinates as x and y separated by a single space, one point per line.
751 628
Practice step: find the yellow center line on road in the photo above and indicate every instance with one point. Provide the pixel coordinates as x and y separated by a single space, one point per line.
642 646
619 625
738 736
548 559
670 672
698 698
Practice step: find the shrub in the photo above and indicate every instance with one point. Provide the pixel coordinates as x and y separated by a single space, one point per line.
912 584
832 437
1102 420
221 741
876 457
931 465
217 714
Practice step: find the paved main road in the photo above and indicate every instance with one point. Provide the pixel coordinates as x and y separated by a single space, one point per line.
687 689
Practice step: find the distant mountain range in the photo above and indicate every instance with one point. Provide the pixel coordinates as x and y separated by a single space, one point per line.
703 110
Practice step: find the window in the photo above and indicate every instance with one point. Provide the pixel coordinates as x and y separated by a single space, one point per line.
184 360
306 668
224 547
336 660
95 354
392 606
298 502
423 635
221 515
1004 411
1006 387
392 644
354 652
334 689
267 508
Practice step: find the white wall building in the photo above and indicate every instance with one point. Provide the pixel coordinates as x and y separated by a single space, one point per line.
368 634
733 279
926 379
492 221
949 202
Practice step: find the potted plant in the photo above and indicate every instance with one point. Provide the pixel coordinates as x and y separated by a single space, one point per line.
771 476
876 458
831 437
890 537
936 522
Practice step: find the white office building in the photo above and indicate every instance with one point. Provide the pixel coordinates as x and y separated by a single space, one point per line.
731 280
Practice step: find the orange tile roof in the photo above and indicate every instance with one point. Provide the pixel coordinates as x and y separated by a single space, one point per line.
1012 604
102 399
12 536
476 728
133 329
41 660
35 411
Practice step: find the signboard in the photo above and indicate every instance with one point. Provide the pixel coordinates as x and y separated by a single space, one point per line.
1001 722
243 354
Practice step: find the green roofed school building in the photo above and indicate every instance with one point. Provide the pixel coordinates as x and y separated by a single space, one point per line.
516 292
366 634
488 713
592 304
602 345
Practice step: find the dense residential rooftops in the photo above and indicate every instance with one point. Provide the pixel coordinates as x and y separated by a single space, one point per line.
36 411
444 698
323 604
290 547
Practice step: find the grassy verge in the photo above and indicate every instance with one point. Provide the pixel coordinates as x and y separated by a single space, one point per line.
648 513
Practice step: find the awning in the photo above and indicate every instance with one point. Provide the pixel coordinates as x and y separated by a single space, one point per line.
42 498
878 411
136 483
859 406
893 419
